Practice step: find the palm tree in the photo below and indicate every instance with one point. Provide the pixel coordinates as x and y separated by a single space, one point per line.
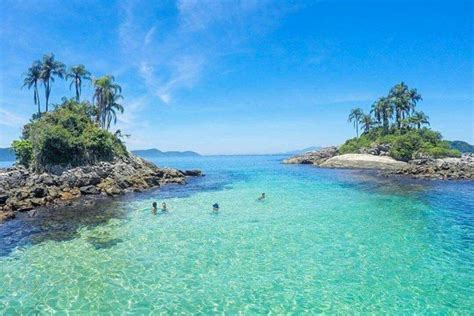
111 108
31 80
106 94
419 118
383 112
404 101
355 116
78 74
414 97
367 122
49 69
399 97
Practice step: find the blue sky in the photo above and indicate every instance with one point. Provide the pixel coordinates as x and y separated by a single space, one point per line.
235 77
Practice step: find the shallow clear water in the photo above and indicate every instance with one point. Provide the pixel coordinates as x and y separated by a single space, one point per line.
322 241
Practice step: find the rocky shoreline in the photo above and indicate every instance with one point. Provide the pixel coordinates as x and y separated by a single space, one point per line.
377 158
23 190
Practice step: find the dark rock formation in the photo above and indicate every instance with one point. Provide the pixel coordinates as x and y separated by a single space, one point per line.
192 173
446 168
376 150
313 157
23 190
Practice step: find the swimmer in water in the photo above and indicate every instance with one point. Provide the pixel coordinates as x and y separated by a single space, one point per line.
164 208
215 207
262 197
154 207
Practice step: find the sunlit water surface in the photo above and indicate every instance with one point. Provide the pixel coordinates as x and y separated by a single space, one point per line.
322 241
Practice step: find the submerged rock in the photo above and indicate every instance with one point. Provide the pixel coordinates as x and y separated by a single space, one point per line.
22 189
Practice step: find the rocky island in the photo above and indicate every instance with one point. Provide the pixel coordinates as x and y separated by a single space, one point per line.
426 168
69 153
394 141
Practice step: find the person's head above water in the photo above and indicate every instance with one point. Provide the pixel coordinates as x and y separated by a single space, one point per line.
263 194
215 206
154 204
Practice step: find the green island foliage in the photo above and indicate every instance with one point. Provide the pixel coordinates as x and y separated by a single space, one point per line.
69 136
75 133
394 121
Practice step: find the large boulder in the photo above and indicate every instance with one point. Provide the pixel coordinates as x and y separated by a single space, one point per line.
192 173
363 161
89 189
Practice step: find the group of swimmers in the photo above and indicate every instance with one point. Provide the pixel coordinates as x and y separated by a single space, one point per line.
215 206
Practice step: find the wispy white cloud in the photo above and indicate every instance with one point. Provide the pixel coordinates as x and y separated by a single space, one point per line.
8 118
149 35
201 32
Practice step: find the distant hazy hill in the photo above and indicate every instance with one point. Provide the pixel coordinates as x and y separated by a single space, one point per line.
461 146
302 151
152 153
7 154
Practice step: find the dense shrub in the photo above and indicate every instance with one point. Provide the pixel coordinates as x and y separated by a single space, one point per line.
440 150
353 145
23 151
66 136
101 145
405 145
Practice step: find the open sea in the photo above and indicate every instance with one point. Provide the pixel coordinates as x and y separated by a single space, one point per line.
323 241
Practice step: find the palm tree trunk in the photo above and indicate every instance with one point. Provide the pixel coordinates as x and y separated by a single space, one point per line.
47 91
37 99
77 91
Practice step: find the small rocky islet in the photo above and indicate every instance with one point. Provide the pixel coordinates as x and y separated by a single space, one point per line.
24 190
450 168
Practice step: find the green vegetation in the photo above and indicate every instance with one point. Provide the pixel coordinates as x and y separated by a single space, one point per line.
23 151
394 121
67 136
74 133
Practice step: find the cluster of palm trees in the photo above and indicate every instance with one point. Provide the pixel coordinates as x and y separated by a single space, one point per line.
106 92
396 111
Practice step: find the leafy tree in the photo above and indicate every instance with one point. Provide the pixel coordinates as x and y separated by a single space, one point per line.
24 152
355 116
50 68
32 77
77 74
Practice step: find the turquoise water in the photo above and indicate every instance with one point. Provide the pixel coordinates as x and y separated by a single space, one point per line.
323 241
